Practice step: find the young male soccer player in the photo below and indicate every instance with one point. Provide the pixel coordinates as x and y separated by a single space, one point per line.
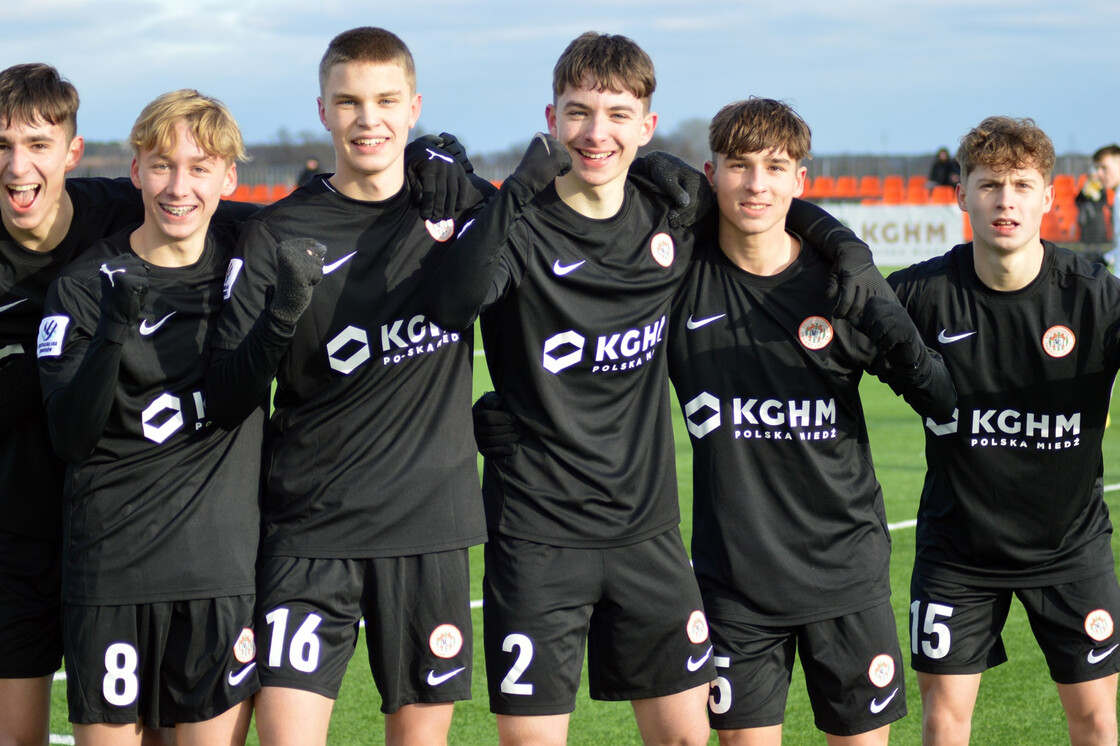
45 221
576 270
161 518
790 542
1012 501
372 495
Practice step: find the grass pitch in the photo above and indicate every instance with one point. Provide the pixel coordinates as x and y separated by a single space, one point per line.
1018 703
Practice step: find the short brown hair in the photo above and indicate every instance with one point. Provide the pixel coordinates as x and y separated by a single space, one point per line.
757 125
367 44
34 93
1005 143
209 121
613 63
1106 151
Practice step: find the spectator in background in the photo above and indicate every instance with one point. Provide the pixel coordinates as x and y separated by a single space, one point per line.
1095 204
944 171
310 168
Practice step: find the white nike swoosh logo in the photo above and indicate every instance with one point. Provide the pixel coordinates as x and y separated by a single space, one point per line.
13 304
434 680
561 269
1094 657
690 324
147 330
695 665
946 339
235 679
876 706
328 268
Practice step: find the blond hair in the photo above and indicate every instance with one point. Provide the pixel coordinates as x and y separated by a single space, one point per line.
208 120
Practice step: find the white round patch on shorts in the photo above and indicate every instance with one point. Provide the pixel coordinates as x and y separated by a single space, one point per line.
815 333
446 641
697 627
881 670
1058 341
245 649
441 231
661 246
1098 625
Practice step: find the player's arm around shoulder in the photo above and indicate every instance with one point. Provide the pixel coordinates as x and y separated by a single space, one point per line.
465 281
903 361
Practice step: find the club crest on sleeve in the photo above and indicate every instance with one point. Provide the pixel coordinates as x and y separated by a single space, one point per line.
661 247
1098 625
441 231
232 271
1058 341
697 628
815 333
446 641
881 670
52 332
245 649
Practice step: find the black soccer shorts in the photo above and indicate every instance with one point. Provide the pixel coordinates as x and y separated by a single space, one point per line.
30 606
161 663
637 607
852 664
418 624
955 628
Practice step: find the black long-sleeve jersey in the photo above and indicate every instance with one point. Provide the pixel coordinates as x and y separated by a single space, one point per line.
1013 488
370 451
788 518
164 505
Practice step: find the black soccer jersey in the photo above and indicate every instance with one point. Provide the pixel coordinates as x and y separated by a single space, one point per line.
576 348
166 505
30 475
370 451
788 519
1013 488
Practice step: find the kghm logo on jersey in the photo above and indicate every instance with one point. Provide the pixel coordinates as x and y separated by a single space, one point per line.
401 340
614 351
441 231
881 670
661 246
446 641
815 333
1058 341
1011 428
1098 625
697 628
245 649
764 419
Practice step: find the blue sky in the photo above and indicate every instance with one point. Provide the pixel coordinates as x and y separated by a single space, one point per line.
869 76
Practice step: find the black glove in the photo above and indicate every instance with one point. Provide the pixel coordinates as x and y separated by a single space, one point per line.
545 159
495 429
887 324
124 285
688 188
854 280
299 268
438 177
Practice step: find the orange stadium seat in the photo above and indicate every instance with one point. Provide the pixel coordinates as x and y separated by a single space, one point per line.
916 182
917 195
845 188
893 190
259 193
894 182
240 193
822 188
870 187
943 195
